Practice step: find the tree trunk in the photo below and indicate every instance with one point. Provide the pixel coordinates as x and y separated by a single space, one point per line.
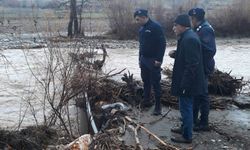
80 19
73 22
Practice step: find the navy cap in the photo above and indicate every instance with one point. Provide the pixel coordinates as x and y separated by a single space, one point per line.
141 12
183 20
198 13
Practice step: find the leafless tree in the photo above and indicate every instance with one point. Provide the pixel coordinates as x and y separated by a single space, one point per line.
75 21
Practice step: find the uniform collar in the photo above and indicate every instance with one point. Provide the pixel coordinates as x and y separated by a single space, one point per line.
200 25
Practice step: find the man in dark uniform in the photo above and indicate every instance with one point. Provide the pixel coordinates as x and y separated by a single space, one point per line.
188 75
152 48
207 37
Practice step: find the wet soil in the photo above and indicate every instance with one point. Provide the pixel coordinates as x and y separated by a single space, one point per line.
226 133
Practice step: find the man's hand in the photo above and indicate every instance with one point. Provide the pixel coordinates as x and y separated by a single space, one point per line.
172 53
157 63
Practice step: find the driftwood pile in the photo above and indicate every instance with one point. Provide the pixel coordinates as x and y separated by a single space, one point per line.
118 124
219 83
222 83
222 86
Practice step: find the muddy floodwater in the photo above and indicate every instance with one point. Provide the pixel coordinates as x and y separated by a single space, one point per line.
232 55
18 84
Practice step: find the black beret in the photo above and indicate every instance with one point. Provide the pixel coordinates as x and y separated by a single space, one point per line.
199 13
183 20
141 12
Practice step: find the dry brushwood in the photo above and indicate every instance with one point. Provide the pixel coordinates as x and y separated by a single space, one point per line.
114 128
132 91
222 83
108 137
104 141
219 83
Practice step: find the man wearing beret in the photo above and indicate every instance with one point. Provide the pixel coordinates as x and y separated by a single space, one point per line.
207 37
188 75
151 51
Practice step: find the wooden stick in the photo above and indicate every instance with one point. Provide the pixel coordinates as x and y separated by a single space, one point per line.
152 134
137 141
138 145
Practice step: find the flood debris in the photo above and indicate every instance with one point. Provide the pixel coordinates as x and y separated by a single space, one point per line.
81 143
115 126
219 83
32 137
222 83
222 87
110 100
112 128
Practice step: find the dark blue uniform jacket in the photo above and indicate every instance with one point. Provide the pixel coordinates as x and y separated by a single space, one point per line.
152 43
207 37
188 71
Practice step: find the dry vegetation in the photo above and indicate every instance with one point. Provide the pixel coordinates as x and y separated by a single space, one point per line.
228 21
120 14
116 17
233 20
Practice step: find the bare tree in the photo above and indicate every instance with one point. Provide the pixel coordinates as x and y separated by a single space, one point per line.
73 21
80 17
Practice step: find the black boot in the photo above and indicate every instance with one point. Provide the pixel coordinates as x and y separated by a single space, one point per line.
181 140
157 110
201 128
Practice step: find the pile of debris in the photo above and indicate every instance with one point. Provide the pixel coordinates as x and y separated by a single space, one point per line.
219 83
111 138
222 83
33 137
221 86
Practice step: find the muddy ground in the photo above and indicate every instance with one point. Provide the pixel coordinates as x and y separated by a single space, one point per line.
226 133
